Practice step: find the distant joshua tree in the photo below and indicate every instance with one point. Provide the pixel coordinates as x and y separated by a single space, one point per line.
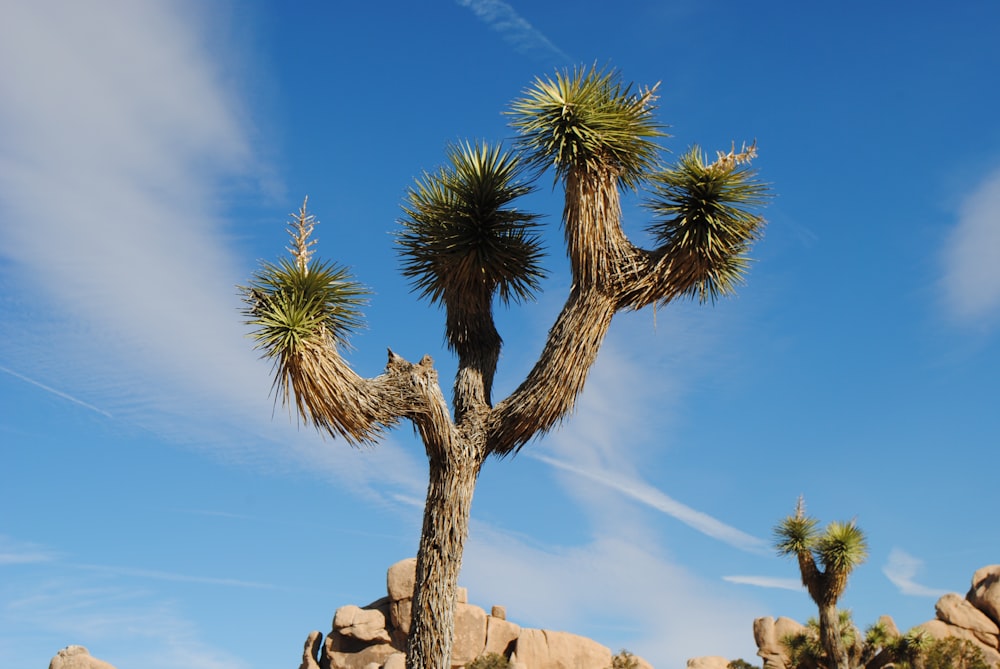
463 245
839 549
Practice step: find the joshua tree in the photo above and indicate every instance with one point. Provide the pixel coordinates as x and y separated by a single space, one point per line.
463 246
839 549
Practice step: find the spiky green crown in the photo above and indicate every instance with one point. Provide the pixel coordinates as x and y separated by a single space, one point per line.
299 301
706 217
460 235
842 547
587 119
795 534
292 305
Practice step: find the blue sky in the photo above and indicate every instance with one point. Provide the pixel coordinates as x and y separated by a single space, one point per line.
157 508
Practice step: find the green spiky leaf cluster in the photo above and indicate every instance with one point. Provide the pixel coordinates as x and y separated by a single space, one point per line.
795 534
587 119
460 235
291 305
842 547
839 548
706 219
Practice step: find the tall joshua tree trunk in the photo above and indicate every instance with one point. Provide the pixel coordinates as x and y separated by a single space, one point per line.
465 248
439 559
830 637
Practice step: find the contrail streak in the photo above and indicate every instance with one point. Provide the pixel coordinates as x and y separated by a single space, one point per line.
55 392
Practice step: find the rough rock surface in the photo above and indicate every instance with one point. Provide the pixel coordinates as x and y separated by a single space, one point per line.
374 636
77 657
314 642
708 662
366 625
985 591
959 612
976 617
560 650
768 633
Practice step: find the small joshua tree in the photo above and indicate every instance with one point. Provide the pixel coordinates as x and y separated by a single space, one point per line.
839 549
465 246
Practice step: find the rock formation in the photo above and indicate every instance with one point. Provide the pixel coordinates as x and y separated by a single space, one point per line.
768 633
374 636
77 657
708 662
975 617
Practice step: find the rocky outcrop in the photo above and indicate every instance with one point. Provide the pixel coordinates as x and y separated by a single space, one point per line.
975 617
77 657
768 634
708 662
985 591
374 636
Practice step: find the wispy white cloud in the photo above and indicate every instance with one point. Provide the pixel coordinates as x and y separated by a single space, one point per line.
766 582
971 279
901 569
122 135
13 551
177 578
515 29
640 491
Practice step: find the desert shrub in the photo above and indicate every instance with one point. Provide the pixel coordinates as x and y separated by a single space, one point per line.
740 663
489 661
953 653
624 660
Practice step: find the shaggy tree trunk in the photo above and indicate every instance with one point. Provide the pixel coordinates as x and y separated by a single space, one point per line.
830 638
446 525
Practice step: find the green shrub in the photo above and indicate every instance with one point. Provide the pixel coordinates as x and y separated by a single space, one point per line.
489 661
953 653
624 660
741 664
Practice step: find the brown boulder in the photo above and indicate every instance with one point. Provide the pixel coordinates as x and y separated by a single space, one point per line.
377 654
366 625
395 661
543 649
310 652
708 662
77 657
890 626
768 634
401 578
955 610
501 635
985 591
470 634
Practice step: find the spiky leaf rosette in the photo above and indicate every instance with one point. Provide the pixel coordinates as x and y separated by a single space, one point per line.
293 306
588 120
300 312
796 534
840 549
462 243
707 221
